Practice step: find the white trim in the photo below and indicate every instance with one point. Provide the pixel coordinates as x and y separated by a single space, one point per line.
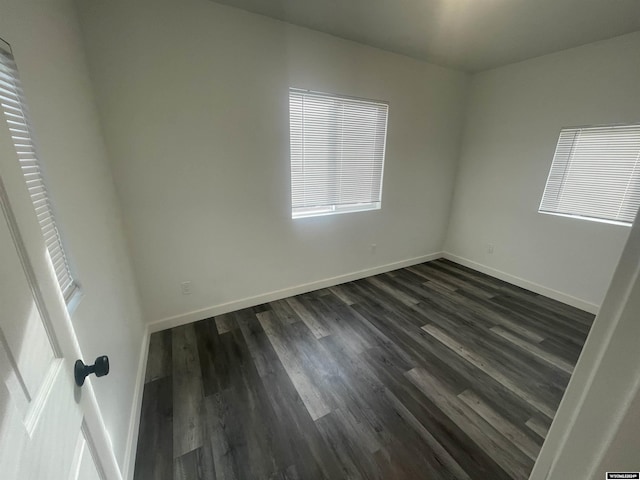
38 403
77 458
232 306
521 282
91 445
105 457
134 421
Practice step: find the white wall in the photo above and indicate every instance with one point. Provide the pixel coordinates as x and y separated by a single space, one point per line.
194 101
514 116
46 41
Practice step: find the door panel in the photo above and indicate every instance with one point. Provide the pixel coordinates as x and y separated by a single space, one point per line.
27 347
43 414
13 435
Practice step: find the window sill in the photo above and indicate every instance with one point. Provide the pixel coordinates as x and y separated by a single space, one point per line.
590 219
334 210
74 300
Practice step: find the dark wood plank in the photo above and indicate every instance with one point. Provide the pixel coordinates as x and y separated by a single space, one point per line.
294 363
213 358
195 465
154 458
159 358
224 323
224 439
188 396
317 327
538 424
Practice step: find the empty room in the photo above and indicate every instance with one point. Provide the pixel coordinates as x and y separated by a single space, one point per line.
299 239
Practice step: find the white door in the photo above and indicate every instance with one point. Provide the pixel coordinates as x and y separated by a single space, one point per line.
49 428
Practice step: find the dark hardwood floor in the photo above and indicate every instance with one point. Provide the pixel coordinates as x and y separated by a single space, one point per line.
429 372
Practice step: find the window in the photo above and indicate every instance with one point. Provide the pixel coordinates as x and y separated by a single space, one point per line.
337 153
595 174
13 106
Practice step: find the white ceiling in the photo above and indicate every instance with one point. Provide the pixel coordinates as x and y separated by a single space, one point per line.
471 35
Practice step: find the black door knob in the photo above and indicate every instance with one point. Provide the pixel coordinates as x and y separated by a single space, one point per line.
100 368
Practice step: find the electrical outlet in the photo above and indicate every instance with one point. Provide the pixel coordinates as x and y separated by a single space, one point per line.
490 248
373 248
185 287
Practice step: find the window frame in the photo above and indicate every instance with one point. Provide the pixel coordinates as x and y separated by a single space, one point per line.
578 216
335 209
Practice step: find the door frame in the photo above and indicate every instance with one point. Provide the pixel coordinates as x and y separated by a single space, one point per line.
608 363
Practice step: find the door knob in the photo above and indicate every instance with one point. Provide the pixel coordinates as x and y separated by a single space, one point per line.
100 368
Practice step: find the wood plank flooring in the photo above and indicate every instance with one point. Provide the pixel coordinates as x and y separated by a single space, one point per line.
429 372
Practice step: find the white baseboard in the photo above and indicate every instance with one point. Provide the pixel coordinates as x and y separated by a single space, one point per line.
212 311
521 282
134 422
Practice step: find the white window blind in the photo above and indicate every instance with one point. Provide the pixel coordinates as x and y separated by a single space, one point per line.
337 153
595 174
13 106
